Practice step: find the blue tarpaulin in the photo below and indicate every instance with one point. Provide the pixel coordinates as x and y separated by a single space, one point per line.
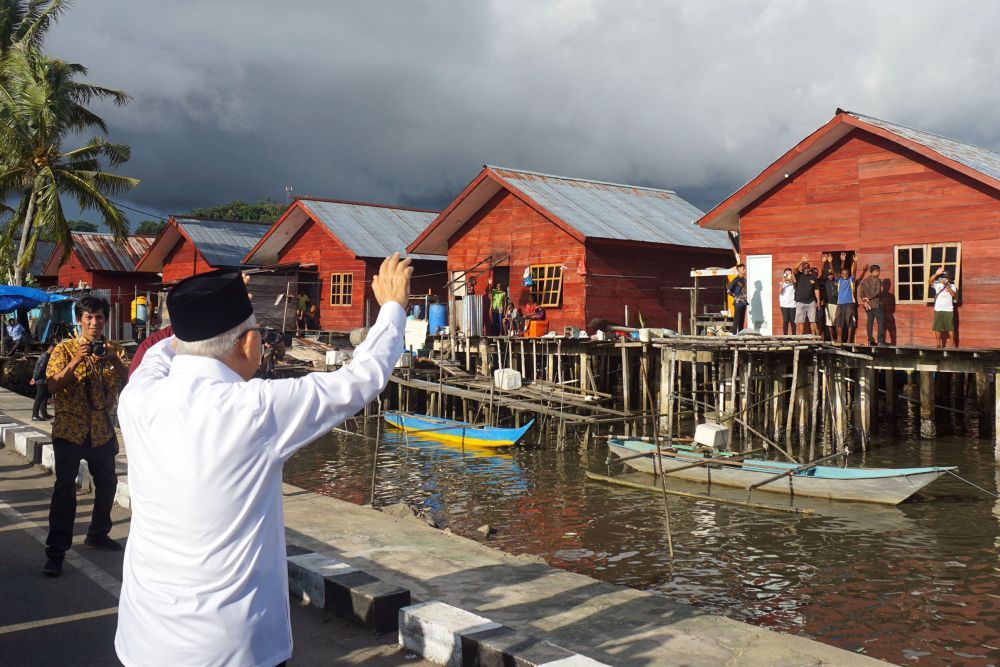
13 298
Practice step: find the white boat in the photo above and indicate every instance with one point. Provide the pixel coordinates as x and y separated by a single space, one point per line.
887 486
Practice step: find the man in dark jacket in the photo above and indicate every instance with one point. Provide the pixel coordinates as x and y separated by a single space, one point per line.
40 411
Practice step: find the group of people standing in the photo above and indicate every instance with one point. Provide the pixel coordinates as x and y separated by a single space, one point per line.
825 300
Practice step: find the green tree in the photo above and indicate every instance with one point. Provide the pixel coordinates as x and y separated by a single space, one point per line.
25 22
42 105
265 210
149 228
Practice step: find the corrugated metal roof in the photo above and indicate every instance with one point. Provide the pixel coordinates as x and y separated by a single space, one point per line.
975 157
223 243
613 211
370 230
43 251
100 252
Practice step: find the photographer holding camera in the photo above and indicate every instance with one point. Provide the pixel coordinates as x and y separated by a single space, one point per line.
85 375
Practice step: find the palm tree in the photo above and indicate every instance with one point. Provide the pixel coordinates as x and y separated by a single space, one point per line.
25 22
41 106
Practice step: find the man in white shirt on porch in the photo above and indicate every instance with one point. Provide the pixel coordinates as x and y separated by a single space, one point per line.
205 579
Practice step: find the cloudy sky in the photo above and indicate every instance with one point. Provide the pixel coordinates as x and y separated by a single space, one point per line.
403 101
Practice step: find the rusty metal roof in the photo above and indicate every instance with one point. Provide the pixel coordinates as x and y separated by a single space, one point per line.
100 252
371 230
613 211
975 157
223 243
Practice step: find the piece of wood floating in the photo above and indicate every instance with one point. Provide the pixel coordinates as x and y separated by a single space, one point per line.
697 496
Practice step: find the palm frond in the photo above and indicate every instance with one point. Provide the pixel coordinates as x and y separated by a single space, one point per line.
90 197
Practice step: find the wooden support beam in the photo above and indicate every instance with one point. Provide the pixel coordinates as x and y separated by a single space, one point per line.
927 427
984 404
792 399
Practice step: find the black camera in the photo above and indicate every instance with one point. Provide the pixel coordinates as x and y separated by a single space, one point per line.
269 336
98 348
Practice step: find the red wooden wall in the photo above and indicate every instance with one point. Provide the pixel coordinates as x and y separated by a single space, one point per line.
314 244
508 226
644 276
599 277
183 261
869 194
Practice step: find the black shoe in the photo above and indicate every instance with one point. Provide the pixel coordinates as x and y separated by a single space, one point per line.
53 567
104 543
40 419
46 417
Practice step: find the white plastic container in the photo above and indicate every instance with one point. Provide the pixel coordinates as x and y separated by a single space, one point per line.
337 357
507 379
715 436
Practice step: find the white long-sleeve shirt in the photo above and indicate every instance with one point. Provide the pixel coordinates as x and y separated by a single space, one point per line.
205 579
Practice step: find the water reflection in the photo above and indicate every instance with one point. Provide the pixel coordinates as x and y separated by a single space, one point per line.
916 583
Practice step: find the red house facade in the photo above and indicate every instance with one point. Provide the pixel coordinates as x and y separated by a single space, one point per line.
591 248
344 243
904 199
97 261
188 246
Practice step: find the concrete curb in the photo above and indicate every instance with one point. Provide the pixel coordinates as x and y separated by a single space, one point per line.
454 637
36 447
350 593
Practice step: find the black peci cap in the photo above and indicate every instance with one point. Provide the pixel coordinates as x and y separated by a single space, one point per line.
207 305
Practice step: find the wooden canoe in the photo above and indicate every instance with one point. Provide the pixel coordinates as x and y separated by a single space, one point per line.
456 432
887 486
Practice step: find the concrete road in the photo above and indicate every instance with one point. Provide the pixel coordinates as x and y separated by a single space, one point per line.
71 620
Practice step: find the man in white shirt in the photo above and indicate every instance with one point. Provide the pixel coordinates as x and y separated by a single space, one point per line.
16 333
944 307
205 578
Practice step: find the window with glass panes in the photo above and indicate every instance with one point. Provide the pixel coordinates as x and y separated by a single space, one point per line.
915 264
547 287
341 288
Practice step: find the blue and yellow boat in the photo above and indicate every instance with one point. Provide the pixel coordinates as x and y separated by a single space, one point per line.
456 432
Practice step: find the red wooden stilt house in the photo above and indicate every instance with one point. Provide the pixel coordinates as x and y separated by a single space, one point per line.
905 199
338 247
591 248
188 246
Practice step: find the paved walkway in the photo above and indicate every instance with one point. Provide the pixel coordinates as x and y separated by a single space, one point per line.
71 620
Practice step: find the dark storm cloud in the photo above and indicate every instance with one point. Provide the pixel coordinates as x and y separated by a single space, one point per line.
404 101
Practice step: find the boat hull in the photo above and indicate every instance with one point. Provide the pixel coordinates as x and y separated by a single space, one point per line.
885 489
456 432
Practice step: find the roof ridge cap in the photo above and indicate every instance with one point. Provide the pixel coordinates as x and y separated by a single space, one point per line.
581 180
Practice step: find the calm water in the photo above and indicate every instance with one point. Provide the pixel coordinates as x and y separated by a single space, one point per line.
917 584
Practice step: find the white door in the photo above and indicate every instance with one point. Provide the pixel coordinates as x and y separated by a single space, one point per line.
759 281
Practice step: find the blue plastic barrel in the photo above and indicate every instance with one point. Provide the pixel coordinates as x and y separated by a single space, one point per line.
437 319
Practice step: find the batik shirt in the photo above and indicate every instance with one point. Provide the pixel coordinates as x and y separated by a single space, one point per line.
85 406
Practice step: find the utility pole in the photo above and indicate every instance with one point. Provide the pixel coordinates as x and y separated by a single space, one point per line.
288 193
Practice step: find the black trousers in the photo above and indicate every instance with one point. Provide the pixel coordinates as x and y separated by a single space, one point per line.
62 511
739 315
876 315
41 395
788 321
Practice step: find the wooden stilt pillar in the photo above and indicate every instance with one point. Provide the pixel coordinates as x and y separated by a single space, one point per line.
927 426
731 408
626 392
890 397
814 399
778 407
984 404
866 387
666 358
791 399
